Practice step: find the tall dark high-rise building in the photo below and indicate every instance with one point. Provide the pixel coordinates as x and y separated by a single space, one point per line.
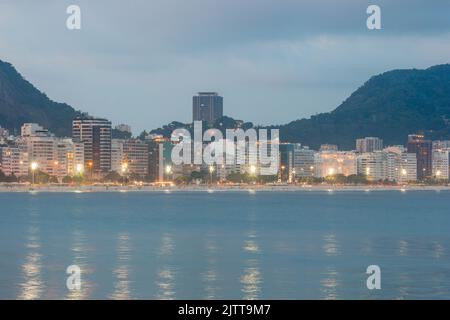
207 106
286 161
95 134
423 150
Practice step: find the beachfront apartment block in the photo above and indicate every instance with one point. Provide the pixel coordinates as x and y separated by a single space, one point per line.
14 161
330 163
96 135
303 161
441 164
51 155
392 164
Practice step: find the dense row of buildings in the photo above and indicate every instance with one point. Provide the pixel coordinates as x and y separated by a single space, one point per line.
93 153
90 151
420 160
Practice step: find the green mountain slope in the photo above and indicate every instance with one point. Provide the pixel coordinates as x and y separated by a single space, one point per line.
391 106
21 102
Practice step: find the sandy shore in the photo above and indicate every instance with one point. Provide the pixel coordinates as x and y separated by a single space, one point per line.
203 188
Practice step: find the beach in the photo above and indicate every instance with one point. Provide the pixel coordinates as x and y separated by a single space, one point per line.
214 188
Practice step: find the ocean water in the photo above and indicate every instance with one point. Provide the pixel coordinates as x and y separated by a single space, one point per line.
225 245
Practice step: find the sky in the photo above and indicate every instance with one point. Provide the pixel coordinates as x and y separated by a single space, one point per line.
140 62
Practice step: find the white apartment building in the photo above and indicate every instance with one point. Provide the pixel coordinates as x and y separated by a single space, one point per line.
43 151
408 168
14 161
53 156
70 158
303 161
132 153
374 165
135 153
33 129
392 164
117 155
440 159
4 133
441 144
329 163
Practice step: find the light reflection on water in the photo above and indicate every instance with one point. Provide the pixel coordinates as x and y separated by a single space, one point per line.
122 272
33 285
210 276
403 248
330 284
438 250
80 257
200 246
166 274
251 279
331 246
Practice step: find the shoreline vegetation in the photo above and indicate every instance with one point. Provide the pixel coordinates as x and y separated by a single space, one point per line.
167 188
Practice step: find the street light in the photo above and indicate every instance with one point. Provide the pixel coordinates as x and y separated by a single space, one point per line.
34 166
169 172
124 170
79 168
211 170
281 173
90 166
331 171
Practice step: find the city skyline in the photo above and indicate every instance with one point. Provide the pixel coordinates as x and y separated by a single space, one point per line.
226 155
303 53
92 153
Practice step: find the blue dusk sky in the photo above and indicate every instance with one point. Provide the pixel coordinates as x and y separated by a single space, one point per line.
139 62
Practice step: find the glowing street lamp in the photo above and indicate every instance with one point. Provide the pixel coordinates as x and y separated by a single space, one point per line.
211 170
79 168
90 165
253 170
124 170
168 170
34 166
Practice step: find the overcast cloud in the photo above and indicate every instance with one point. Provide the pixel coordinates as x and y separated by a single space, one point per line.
273 60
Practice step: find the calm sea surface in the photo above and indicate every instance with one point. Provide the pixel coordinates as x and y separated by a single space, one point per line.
225 245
